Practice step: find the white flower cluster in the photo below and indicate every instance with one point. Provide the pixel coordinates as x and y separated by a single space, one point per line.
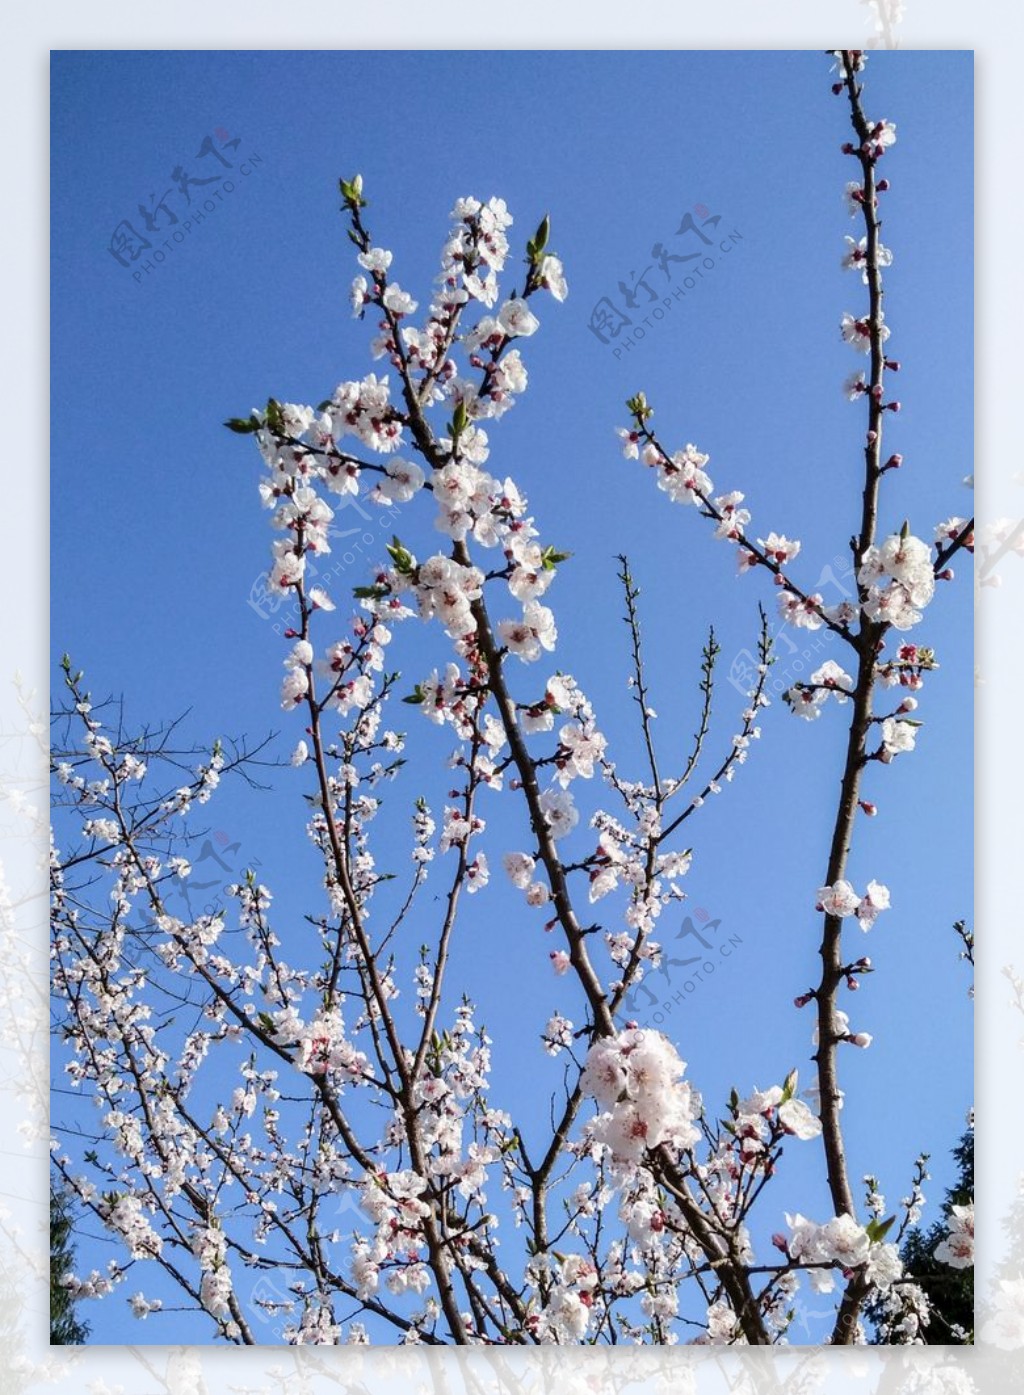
841 900
900 579
636 1078
844 1243
807 699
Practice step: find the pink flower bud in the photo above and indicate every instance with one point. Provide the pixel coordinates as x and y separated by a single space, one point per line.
946 574
837 87
780 1242
883 186
892 406
893 364
852 984
894 462
872 437
847 147
870 809
861 1039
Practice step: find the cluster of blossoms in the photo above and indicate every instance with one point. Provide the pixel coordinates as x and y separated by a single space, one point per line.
900 580
843 1243
830 680
841 900
636 1078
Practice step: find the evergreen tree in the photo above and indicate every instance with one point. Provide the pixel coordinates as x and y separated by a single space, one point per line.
66 1328
950 1291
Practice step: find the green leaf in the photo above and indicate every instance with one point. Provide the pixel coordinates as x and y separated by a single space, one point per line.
789 1087
460 420
878 1230
551 557
242 426
540 238
369 593
415 697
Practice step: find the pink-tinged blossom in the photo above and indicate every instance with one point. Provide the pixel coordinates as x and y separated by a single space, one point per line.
519 869
778 548
630 442
404 479
881 135
839 900
874 901
802 614
857 331
377 260
517 319
797 1119
957 1248
557 1034
681 476
950 529
294 688
897 737
559 811
537 894
733 519
551 275
527 637
856 256
396 300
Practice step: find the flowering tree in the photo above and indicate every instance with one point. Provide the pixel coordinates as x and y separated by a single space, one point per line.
247 1083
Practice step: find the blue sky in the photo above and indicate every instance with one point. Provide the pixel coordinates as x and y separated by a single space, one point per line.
158 536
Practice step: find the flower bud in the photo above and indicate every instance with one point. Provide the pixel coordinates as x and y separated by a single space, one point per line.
882 186
861 1039
892 407
870 809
